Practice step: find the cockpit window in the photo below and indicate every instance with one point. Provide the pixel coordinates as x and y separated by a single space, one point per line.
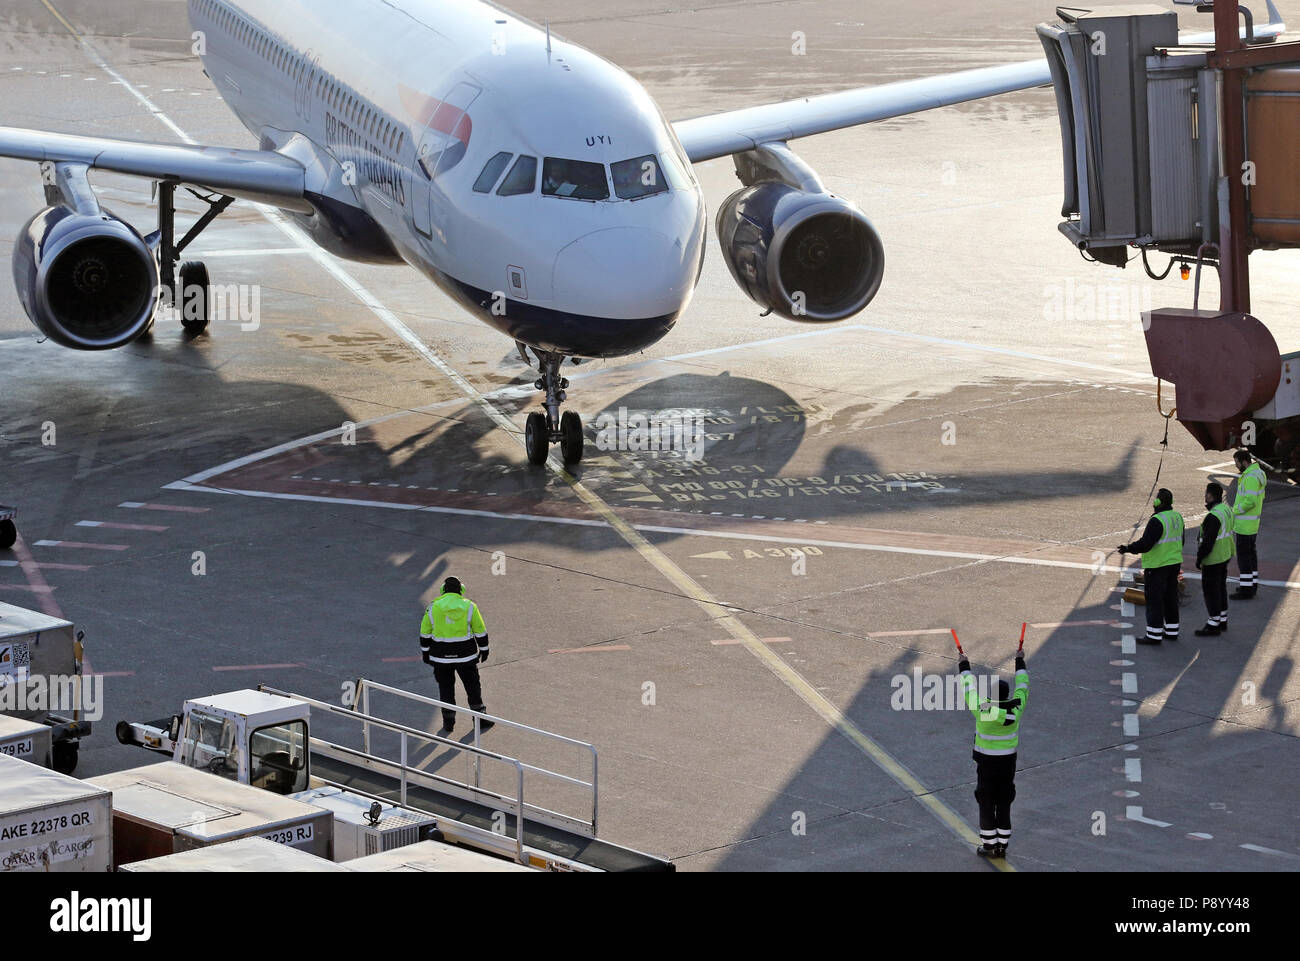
638 177
521 179
575 179
676 176
492 172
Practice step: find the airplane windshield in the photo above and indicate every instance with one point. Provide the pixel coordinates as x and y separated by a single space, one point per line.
522 178
637 178
575 179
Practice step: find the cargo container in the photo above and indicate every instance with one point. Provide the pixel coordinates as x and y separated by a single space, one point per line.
25 740
52 822
242 856
168 808
41 679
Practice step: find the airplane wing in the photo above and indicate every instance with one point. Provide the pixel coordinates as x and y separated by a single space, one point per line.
263 176
719 135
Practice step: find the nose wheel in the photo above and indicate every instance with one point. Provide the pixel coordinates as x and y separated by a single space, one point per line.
548 427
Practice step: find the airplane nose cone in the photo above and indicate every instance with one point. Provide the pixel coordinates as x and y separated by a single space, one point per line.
622 273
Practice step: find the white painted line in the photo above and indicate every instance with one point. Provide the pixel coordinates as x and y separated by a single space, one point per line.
1129 683
1134 813
1130 725
1128 644
1126 609
1273 851
1133 769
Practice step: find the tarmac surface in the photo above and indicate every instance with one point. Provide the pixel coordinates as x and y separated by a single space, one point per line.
735 635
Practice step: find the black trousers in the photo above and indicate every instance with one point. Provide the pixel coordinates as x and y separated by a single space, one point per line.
1247 560
995 789
445 675
1214 586
1162 601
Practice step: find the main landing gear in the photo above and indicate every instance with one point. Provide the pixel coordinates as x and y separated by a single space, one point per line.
544 429
192 295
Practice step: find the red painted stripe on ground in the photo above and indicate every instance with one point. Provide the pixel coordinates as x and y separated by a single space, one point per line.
121 527
165 507
1056 624
584 650
27 588
36 579
933 630
88 671
79 545
255 667
765 640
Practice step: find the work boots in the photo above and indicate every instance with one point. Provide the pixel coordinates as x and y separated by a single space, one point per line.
1209 630
1242 594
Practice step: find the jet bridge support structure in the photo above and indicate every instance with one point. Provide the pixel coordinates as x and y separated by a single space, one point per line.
1188 151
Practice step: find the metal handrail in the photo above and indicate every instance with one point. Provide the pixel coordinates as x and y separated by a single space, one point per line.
406 732
362 700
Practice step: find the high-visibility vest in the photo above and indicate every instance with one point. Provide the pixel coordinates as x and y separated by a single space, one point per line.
1249 503
997 729
1223 546
451 629
1169 549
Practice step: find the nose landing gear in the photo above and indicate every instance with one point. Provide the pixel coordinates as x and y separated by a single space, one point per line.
546 428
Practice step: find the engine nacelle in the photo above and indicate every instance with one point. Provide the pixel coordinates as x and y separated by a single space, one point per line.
806 256
86 282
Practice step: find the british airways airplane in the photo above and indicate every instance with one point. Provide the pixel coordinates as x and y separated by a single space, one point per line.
529 178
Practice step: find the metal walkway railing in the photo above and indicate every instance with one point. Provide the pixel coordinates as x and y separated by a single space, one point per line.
585 825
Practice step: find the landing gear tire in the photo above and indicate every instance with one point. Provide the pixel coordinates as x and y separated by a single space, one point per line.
195 297
536 439
571 441
8 535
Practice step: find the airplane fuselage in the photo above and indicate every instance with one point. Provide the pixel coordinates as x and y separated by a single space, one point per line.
535 182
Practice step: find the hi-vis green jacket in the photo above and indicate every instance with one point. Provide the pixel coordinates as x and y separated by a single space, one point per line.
453 631
1248 506
997 729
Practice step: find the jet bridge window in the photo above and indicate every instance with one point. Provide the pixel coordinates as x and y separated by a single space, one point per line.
575 179
492 172
637 178
277 758
522 178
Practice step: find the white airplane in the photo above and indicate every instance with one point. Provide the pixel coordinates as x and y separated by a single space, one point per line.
532 180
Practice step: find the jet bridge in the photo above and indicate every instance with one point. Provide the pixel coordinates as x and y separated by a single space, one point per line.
1187 151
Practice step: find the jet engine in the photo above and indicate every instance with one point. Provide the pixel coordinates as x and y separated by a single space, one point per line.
89 282
793 247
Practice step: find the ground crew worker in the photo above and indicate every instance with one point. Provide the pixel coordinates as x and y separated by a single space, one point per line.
454 640
1247 507
997 738
1161 547
1213 552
